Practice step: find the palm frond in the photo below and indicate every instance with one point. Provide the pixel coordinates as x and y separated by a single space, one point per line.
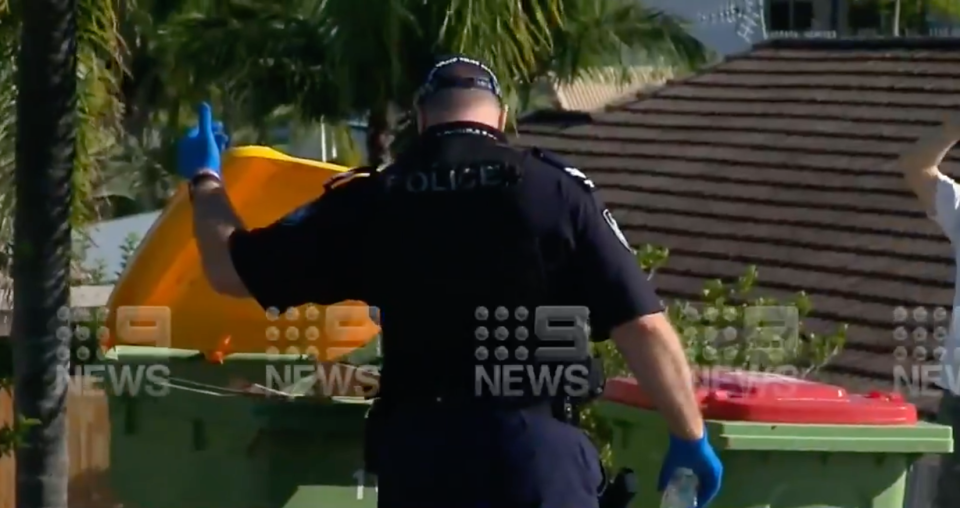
257 55
100 51
619 33
9 44
949 9
99 72
340 57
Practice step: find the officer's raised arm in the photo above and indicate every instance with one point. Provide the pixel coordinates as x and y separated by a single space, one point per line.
310 256
289 263
938 193
214 223
296 260
623 303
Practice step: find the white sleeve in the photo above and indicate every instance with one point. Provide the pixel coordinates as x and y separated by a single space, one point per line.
946 211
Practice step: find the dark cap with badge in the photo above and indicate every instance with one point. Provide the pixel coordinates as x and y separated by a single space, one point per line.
458 71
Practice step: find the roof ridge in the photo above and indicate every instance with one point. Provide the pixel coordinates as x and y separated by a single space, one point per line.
653 92
862 43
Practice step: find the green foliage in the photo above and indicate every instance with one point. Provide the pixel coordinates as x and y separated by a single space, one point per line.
99 70
729 327
97 274
11 436
910 16
80 273
340 59
127 250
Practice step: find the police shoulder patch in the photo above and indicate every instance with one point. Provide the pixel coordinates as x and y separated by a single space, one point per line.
608 217
555 161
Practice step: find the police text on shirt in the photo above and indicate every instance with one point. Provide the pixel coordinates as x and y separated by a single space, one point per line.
452 178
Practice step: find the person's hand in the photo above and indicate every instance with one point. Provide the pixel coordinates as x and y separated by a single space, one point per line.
199 150
699 457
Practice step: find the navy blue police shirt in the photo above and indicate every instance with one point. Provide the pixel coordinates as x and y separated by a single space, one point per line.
435 238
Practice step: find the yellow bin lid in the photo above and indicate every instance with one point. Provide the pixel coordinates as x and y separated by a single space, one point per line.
162 299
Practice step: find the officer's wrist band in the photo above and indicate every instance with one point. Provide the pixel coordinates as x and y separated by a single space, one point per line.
202 176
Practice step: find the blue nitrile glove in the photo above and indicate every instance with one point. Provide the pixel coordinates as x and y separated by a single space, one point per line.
699 457
199 150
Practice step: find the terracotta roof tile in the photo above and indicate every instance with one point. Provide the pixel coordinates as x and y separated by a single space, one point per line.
777 158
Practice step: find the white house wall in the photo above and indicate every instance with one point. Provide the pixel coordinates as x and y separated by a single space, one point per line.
732 26
108 237
715 23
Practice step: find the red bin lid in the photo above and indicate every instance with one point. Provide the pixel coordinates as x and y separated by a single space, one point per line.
774 398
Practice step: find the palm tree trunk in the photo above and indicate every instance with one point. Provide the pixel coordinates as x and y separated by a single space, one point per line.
45 153
923 26
896 18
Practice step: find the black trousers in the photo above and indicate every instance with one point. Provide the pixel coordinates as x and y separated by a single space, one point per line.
442 457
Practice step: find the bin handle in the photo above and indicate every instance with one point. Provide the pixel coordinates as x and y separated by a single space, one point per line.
120 351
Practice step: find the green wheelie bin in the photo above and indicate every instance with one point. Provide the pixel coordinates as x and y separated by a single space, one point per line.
190 433
784 442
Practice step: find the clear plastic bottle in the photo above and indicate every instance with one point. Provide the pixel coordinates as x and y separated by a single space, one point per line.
681 492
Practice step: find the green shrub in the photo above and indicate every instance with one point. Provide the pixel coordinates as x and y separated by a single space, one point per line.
729 327
127 249
11 435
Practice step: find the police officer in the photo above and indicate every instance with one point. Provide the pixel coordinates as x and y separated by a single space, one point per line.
469 248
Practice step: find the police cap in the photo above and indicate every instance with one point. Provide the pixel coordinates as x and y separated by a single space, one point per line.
458 71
